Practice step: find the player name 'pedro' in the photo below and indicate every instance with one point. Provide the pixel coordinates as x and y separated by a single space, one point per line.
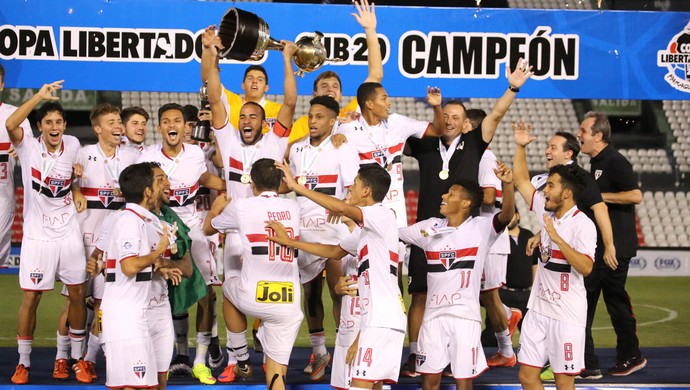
278 215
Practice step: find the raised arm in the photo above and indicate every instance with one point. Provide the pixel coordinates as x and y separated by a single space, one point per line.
523 137
322 250
505 174
287 110
211 74
15 120
516 79
438 125
366 17
333 204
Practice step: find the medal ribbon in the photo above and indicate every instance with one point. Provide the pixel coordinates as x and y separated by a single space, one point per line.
248 159
48 159
305 167
445 156
370 132
175 162
113 168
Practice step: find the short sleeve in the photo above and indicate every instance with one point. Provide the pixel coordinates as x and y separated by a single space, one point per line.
591 195
408 126
537 204
350 243
349 164
487 177
413 234
229 218
624 178
586 238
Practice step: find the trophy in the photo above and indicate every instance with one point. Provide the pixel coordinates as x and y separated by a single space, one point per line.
202 130
246 37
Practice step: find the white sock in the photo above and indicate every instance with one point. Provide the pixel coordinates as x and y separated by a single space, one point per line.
318 342
63 344
238 344
505 345
413 347
203 340
93 347
76 338
232 358
181 326
24 349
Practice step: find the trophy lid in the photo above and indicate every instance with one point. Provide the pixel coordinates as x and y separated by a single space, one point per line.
239 32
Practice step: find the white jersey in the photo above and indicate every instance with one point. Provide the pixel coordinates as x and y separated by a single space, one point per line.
488 179
326 170
376 247
269 271
49 214
98 184
349 310
239 157
184 172
383 145
455 260
7 203
127 144
559 290
125 299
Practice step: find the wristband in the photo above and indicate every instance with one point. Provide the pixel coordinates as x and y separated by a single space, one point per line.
514 89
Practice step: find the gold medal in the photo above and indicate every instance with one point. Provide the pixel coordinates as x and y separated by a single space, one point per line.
302 180
545 254
244 179
173 248
443 175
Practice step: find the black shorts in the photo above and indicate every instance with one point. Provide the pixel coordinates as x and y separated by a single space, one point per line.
417 271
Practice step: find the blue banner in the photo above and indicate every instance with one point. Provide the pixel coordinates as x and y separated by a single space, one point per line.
141 45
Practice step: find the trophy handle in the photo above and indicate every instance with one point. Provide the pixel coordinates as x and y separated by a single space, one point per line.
274 44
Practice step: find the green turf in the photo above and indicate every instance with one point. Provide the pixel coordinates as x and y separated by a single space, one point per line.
653 298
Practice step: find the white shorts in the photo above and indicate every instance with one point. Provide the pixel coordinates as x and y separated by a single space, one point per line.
203 258
440 344
378 355
232 255
544 339
280 322
310 266
341 372
43 261
6 220
494 275
162 335
130 363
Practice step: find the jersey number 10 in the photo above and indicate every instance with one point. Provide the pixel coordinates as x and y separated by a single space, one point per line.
286 253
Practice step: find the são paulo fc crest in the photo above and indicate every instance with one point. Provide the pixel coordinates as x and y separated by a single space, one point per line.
447 258
676 59
56 185
180 195
106 196
597 174
420 359
380 157
139 369
36 276
312 182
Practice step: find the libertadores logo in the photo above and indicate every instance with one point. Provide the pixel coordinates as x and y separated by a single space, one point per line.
676 58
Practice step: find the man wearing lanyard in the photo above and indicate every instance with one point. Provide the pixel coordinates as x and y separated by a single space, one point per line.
456 154
51 246
320 166
101 166
185 166
240 149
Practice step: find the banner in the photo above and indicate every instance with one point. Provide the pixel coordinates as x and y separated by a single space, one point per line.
660 262
141 45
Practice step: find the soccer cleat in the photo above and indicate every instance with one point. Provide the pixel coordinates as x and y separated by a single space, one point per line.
91 368
21 375
244 372
81 371
627 367
215 356
514 320
409 369
201 372
228 374
180 366
257 343
309 368
590 374
547 374
61 370
319 366
498 360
